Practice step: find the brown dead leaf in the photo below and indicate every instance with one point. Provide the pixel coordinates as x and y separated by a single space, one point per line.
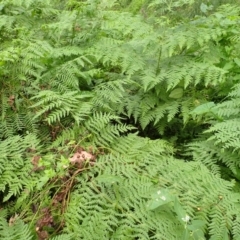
11 102
46 219
80 157
12 219
42 235
35 160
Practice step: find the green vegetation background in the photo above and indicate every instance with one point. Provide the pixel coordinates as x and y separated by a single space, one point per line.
119 119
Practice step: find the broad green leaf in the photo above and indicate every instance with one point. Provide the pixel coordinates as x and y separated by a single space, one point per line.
181 213
41 182
203 8
159 198
176 93
204 108
186 235
237 61
196 224
228 66
198 235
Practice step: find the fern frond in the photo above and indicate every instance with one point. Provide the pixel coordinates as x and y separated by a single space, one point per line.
17 230
118 194
106 128
62 237
62 105
15 164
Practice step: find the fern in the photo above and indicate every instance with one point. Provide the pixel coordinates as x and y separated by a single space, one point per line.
84 75
15 164
118 194
224 136
103 132
59 106
18 230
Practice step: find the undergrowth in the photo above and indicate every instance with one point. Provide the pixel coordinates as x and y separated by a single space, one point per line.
119 120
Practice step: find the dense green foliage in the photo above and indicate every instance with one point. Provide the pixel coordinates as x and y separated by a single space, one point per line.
119 120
